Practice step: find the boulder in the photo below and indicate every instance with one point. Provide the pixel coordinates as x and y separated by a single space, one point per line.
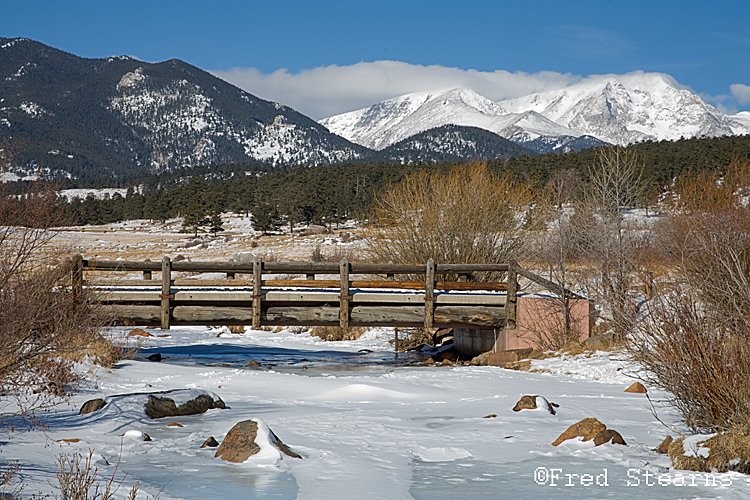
155 357
447 355
253 364
92 405
139 332
525 403
522 366
587 428
210 443
160 407
637 388
608 436
240 443
500 358
528 402
663 448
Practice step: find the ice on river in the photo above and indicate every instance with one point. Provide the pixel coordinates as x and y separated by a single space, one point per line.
368 426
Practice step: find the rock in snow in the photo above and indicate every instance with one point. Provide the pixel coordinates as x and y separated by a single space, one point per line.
252 438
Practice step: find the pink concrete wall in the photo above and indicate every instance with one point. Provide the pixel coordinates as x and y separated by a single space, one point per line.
542 316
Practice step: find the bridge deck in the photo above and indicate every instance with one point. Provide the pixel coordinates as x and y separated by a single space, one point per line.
469 295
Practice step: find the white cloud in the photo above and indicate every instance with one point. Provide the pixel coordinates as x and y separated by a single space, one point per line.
330 90
741 92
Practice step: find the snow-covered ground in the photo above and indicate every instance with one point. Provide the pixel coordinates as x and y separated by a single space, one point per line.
366 426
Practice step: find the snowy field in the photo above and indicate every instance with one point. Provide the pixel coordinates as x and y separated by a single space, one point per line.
368 426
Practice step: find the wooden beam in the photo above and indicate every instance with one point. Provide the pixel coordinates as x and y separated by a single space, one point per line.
478 316
456 286
344 297
166 291
257 291
291 267
76 277
229 295
512 298
429 294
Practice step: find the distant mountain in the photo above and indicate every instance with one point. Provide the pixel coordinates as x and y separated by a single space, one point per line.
120 116
452 143
609 109
391 121
630 108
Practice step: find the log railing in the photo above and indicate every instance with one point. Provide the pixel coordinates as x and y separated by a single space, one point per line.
271 303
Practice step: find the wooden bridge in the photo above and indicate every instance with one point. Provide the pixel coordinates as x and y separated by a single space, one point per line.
303 293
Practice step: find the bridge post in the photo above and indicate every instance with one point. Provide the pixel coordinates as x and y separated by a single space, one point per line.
76 280
344 296
257 290
147 274
166 291
511 302
429 294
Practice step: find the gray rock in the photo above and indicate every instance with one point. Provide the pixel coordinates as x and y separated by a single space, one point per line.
160 407
92 405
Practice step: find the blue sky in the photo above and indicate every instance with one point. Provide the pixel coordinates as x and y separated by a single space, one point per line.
290 51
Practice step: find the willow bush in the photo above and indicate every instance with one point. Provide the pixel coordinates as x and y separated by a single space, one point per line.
466 215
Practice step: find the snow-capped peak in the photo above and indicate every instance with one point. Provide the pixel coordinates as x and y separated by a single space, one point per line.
613 108
391 121
628 108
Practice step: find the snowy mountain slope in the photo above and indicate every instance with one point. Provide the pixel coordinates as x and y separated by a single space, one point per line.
743 118
610 108
120 116
629 108
391 121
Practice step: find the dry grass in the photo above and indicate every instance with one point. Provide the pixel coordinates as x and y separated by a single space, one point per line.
336 333
729 451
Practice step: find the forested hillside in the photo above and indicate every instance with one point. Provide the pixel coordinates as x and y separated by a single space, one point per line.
330 194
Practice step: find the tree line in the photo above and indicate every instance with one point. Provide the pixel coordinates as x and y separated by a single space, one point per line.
288 195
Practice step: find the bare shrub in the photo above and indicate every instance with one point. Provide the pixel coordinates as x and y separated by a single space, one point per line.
610 242
44 326
336 333
692 350
559 249
695 342
9 485
77 480
412 338
467 215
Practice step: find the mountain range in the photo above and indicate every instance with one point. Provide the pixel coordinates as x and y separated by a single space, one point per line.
120 117
615 109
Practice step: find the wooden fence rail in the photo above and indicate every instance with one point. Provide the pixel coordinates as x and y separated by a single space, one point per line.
376 300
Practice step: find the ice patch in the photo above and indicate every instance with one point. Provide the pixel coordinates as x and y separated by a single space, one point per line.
443 454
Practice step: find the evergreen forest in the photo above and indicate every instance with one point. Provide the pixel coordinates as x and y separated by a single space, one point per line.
330 194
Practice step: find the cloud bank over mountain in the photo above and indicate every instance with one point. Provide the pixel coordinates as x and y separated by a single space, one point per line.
329 90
